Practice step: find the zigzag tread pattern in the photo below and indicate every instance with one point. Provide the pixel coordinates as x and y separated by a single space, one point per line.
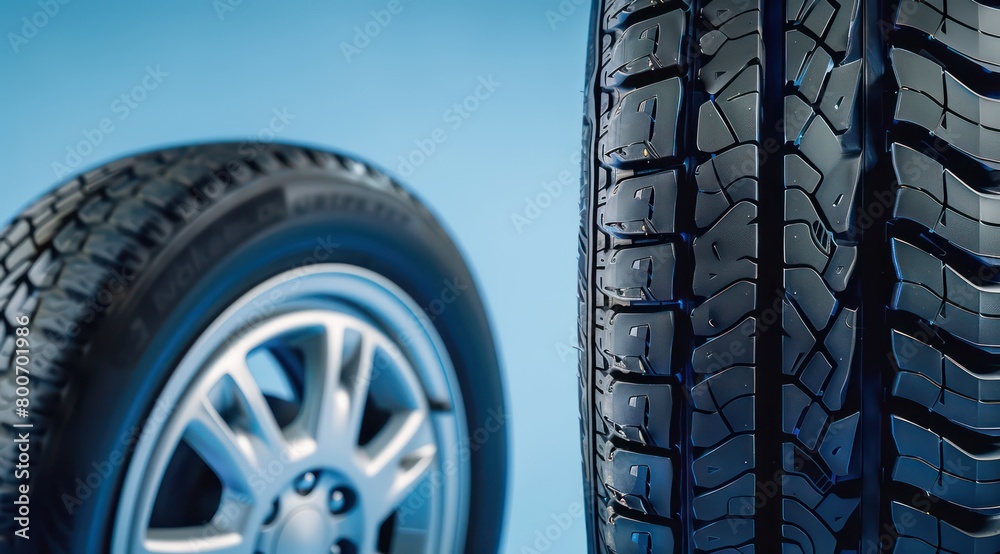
945 424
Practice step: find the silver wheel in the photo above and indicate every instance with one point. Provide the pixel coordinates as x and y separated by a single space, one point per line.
320 413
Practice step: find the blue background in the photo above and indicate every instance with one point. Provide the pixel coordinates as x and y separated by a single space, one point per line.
229 70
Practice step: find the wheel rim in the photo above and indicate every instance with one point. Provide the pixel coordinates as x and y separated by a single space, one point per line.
327 421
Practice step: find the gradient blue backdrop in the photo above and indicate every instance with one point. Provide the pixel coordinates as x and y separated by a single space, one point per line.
225 77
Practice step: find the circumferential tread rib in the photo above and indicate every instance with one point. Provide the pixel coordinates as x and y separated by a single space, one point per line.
945 416
725 252
822 171
674 272
640 275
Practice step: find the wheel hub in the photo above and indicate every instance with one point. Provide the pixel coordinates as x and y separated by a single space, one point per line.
316 512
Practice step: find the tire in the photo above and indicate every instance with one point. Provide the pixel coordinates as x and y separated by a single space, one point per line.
121 275
762 182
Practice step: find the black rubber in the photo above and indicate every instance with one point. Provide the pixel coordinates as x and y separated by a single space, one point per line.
764 181
122 267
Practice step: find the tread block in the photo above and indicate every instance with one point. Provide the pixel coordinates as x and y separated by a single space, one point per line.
797 342
931 97
734 347
798 462
830 257
840 343
837 447
918 529
617 12
971 327
734 116
723 536
733 500
722 388
718 12
939 484
840 174
650 45
727 252
641 206
637 412
629 536
725 180
936 198
724 406
643 126
918 442
725 462
967 27
731 59
724 310
640 274
804 529
960 409
837 102
640 482
639 343
915 356
935 291
811 295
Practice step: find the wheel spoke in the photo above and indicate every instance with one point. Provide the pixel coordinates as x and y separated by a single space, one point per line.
262 425
239 447
228 454
341 389
321 398
355 383
396 461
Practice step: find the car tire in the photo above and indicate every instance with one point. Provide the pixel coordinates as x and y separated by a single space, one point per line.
789 276
117 277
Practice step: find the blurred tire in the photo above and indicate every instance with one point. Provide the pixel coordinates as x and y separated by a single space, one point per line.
115 274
